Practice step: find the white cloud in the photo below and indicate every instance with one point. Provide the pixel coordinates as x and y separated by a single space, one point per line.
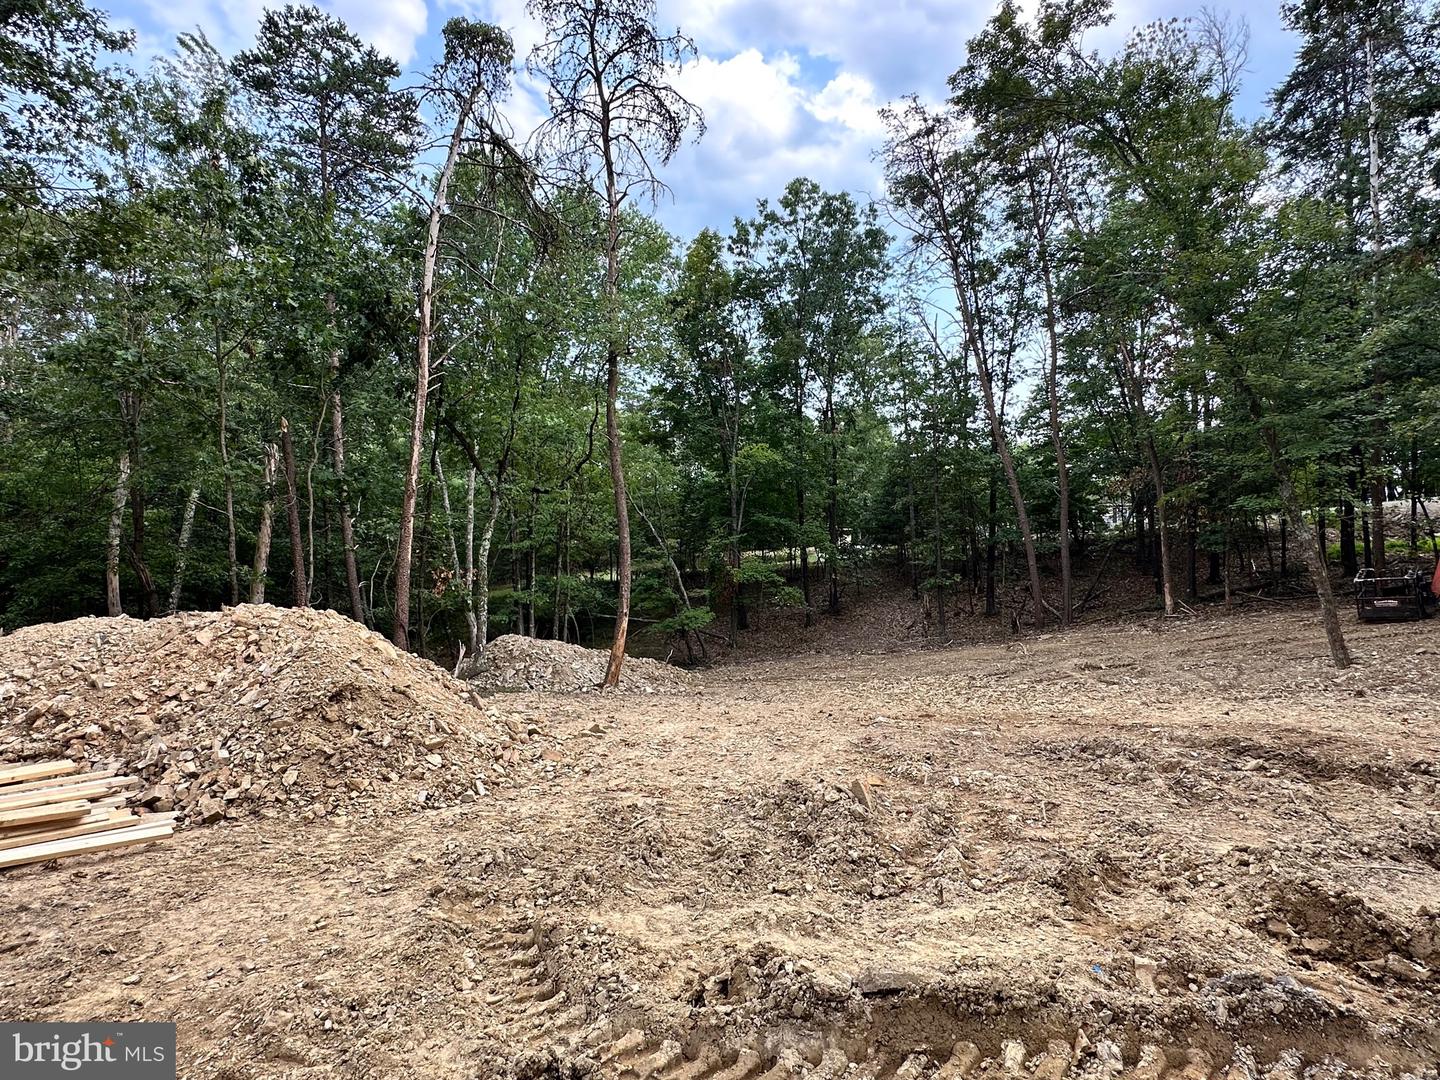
850 100
749 102
392 26
898 48
764 128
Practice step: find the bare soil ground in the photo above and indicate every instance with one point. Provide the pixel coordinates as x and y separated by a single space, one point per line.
1184 849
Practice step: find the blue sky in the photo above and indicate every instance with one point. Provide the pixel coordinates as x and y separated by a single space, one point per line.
789 87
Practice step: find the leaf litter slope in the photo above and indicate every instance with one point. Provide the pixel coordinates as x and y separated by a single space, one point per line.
1187 848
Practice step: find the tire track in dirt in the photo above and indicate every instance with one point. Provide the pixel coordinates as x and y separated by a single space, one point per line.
544 1033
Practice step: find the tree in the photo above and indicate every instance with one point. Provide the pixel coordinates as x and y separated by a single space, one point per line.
711 369
813 264
1040 164
613 119
943 187
346 134
53 95
467 84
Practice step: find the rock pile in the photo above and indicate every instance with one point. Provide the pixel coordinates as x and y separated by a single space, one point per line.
255 710
512 662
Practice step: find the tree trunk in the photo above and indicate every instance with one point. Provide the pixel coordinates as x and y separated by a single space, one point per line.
1062 468
347 523
482 574
1377 477
528 610
1349 560
426 535
474 643
1142 558
1161 524
612 436
803 552
942 621
1414 486
832 495
1377 507
187 522
557 618
911 525
1012 481
232 557
669 558
405 545
516 581
802 541
462 574
1192 575
732 555
991 608
1329 615
292 516
262 534
112 543
1228 601
130 407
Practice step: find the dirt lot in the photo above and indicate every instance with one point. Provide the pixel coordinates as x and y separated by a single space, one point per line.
1187 849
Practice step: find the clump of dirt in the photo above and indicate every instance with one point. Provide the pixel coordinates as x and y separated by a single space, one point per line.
255 710
1345 929
515 663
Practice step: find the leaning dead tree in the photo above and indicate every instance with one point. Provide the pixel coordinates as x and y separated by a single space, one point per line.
614 119
468 82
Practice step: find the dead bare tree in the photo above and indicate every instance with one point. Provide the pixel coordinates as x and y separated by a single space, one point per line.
614 118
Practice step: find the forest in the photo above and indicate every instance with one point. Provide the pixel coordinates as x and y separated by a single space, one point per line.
296 326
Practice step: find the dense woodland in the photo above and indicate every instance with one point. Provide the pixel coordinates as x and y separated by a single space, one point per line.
296 326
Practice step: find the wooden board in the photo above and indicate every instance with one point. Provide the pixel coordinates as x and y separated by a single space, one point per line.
97 813
49 812
84 845
14 774
112 819
55 782
88 789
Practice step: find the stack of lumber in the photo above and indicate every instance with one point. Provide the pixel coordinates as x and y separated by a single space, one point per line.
50 809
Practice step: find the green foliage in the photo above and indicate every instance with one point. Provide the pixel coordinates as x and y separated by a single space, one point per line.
1208 315
683 622
55 94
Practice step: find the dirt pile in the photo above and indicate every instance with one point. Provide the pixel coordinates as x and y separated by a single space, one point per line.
512 662
255 710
